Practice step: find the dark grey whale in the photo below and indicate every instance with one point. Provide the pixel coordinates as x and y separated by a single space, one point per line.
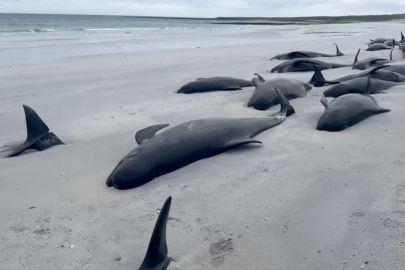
305 54
214 84
186 143
400 69
38 135
359 86
265 95
370 62
378 41
156 257
379 72
304 64
348 110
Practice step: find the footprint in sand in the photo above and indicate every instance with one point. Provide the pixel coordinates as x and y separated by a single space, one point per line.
220 249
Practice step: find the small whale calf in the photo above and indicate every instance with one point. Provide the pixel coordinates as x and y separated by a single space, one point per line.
379 47
38 135
359 86
303 64
265 95
156 257
348 110
186 143
305 54
370 62
214 84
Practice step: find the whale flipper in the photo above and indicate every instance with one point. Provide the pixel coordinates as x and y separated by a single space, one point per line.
156 257
147 133
261 79
325 102
37 134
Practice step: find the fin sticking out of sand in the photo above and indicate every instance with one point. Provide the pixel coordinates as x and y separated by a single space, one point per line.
156 257
338 52
38 136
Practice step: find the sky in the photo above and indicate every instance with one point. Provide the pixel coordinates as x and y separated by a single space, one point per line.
206 8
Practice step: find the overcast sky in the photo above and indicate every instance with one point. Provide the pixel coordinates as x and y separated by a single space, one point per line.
206 8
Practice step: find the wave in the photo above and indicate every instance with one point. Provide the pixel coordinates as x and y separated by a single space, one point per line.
91 29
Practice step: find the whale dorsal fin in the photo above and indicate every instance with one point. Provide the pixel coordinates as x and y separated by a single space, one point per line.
368 87
36 129
325 102
356 59
318 80
147 133
402 36
156 256
374 70
391 53
338 52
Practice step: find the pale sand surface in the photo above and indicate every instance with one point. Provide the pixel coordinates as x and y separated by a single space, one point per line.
304 200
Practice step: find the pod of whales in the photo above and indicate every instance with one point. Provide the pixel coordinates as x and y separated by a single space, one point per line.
157 255
305 54
38 135
265 95
370 62
303 64
359 86
214 84
186 143
348 110
379 72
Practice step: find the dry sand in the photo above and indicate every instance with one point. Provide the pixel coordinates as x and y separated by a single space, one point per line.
304 200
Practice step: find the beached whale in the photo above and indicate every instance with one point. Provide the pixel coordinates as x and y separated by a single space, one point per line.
359 86
304 64
379 72
379 47
265 95
305 54
378 41
348 110
157 254
214 84
38 135
186 143
370 62
400 69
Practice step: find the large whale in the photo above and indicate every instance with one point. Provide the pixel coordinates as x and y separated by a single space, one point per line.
214 84
38 135
359 86
379 72
303 64
348 110
265 95
400 69
186 143
306 54
370 62
156 257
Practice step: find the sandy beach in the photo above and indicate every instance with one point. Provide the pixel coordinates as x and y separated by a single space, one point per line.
305 199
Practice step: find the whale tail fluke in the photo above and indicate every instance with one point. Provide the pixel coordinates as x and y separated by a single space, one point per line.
38 136
156 256
318 80
285 107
